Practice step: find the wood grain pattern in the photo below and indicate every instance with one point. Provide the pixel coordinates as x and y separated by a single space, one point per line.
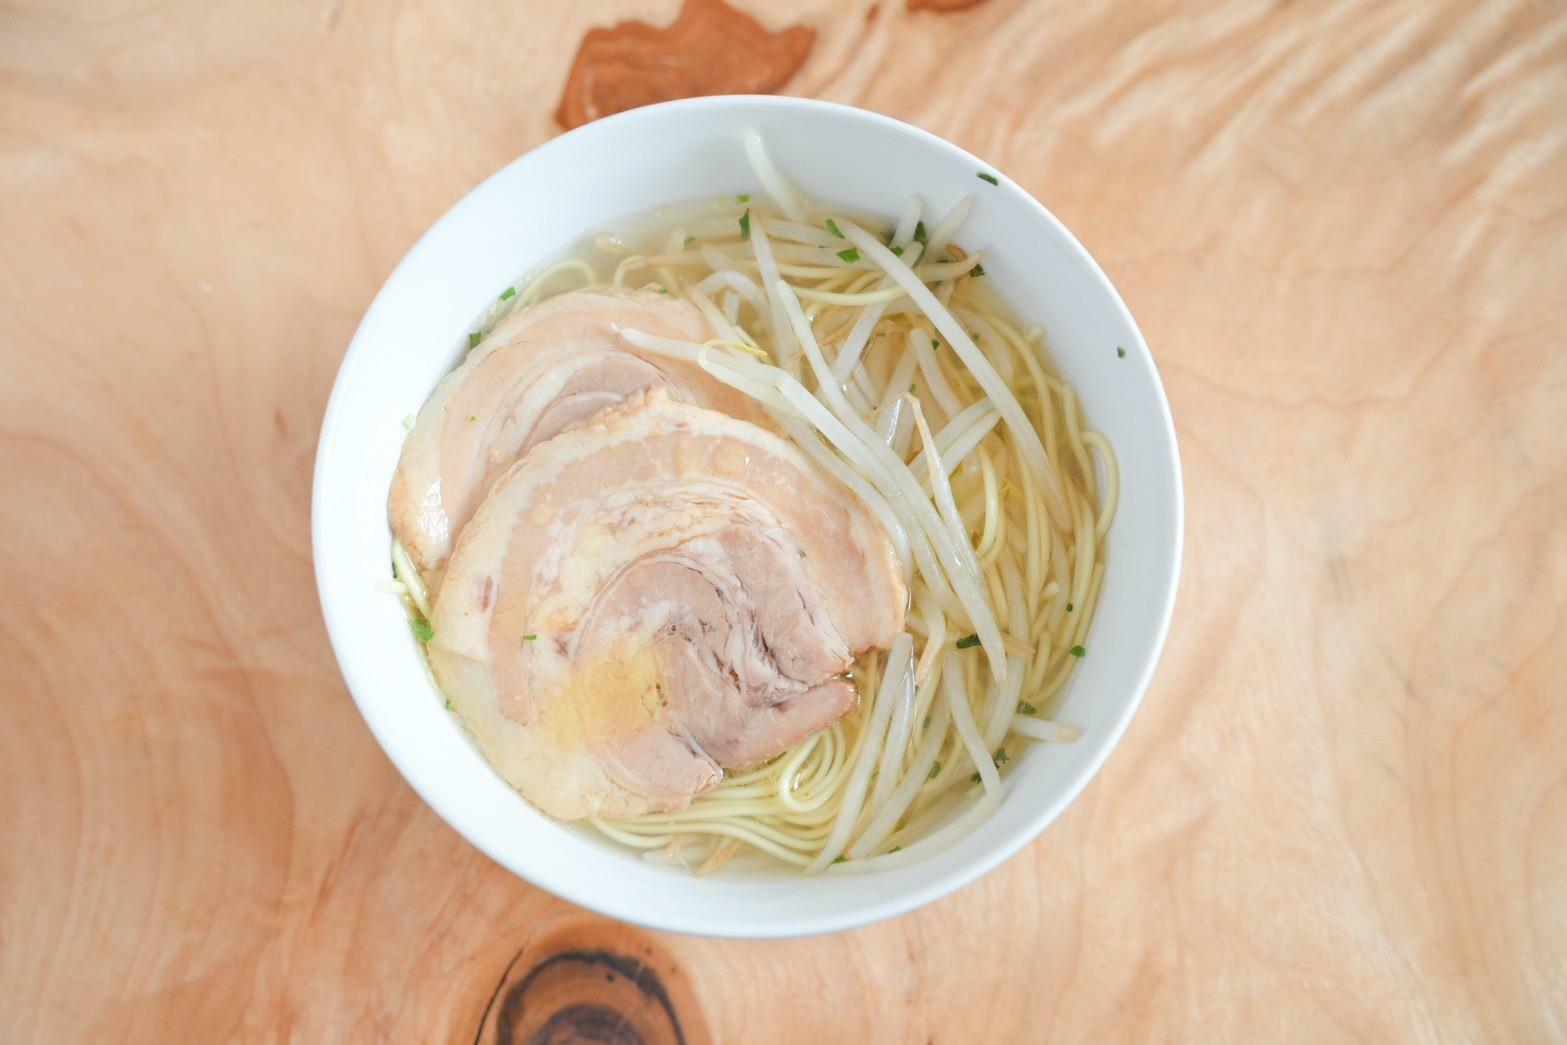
1342 812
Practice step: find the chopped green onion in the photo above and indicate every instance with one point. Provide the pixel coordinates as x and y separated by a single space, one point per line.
914 390
423 630
851 255
832 227
987 176
474 338
508 293
977 270
1120 353
744 197
895 849
874 773
840 858
1000 759
920 235
1069 607
689 240
473 417
1025 708
935 767
530 637
897 252
968 641
745 224
1078 651
927 723
448 703
934 344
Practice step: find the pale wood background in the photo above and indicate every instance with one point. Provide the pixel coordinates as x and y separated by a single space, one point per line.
1342 812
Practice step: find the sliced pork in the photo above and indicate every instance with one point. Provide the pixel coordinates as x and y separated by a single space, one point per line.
540 371
653 596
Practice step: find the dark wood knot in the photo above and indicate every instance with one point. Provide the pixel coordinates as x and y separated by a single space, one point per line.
593 982
711 48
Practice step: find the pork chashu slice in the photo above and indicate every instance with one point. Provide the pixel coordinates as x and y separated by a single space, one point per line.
547 367
652 597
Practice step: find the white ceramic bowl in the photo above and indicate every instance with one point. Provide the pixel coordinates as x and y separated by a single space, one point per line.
581 182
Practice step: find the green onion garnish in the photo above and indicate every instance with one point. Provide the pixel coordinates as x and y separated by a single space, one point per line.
977 270
474 338
935 767
689 240
744 197
897 252
1120 353
920 235
531 637
1001 757
839 859
1069 607
851 255
448 703
968 641
934 344
1078 651
423 630
745 224
508 293
987 176
1025 708
832 227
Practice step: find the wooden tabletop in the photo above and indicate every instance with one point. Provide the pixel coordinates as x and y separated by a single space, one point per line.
1342 810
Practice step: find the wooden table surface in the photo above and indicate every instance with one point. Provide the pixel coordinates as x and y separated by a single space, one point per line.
1342 811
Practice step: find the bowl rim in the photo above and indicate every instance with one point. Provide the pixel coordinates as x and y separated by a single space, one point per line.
695 923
